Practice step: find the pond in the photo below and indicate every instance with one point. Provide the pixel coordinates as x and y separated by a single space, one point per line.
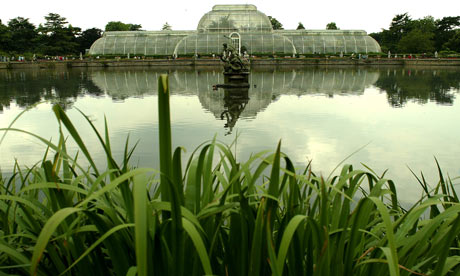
391 118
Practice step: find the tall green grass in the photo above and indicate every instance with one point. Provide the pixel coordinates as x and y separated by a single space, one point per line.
215 216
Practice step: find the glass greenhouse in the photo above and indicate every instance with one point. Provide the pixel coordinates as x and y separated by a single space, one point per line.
243 26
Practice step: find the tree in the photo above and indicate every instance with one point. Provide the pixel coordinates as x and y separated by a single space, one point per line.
437 32
5 37
87 38
426 24
399 26
276 25
166 27
56 38
23 35
417 36
445 30
416 41
331 26
135 27
116 26
54 22
300 26
120 26
454 43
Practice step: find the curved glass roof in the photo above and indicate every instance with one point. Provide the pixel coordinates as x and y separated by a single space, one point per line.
234 18
137 43
325 42
253 28
205 43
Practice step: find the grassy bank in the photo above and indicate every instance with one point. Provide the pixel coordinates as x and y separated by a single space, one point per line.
216 215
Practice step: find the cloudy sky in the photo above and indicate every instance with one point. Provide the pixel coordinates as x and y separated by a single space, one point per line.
371 16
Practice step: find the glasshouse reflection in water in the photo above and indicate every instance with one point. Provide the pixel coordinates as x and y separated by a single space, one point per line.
266 85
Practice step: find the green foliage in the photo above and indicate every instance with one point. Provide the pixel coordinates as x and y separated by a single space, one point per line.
116 26
120 26
166 27
56 38
276 25
53 23
87 38
446 30
135 27
404 33
390 38
220 217
400 24
300 26
23 35
454 43
332 26
5 37
416 41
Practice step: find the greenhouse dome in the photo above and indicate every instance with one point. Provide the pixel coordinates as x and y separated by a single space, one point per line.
234 18
241 25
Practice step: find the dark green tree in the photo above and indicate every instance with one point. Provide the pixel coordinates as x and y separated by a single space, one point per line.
120 26
23 35
454 43
116 26
276 25
426 24
166 27
5 38
87 38
332 26
419 36
377 37
400 25
300 26
56 38
135 27
438 33
54 22
416 41
445 30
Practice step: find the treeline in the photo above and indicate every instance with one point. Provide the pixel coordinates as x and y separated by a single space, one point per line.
425 35
56 37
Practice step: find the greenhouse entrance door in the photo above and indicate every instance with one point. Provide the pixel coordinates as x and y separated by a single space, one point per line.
236 41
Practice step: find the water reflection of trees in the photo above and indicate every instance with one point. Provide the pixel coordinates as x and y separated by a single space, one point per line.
222 23
267 84
419 85
26 88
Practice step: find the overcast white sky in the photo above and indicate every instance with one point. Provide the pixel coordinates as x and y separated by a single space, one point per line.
370 16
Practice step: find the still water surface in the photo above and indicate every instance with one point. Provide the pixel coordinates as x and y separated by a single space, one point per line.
400 117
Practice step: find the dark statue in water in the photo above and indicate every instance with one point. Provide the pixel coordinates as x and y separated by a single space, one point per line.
235 100
236 85
232 61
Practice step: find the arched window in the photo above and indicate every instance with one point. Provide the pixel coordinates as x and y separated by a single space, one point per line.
236 41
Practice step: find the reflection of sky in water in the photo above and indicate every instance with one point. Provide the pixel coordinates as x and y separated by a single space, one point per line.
319 115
